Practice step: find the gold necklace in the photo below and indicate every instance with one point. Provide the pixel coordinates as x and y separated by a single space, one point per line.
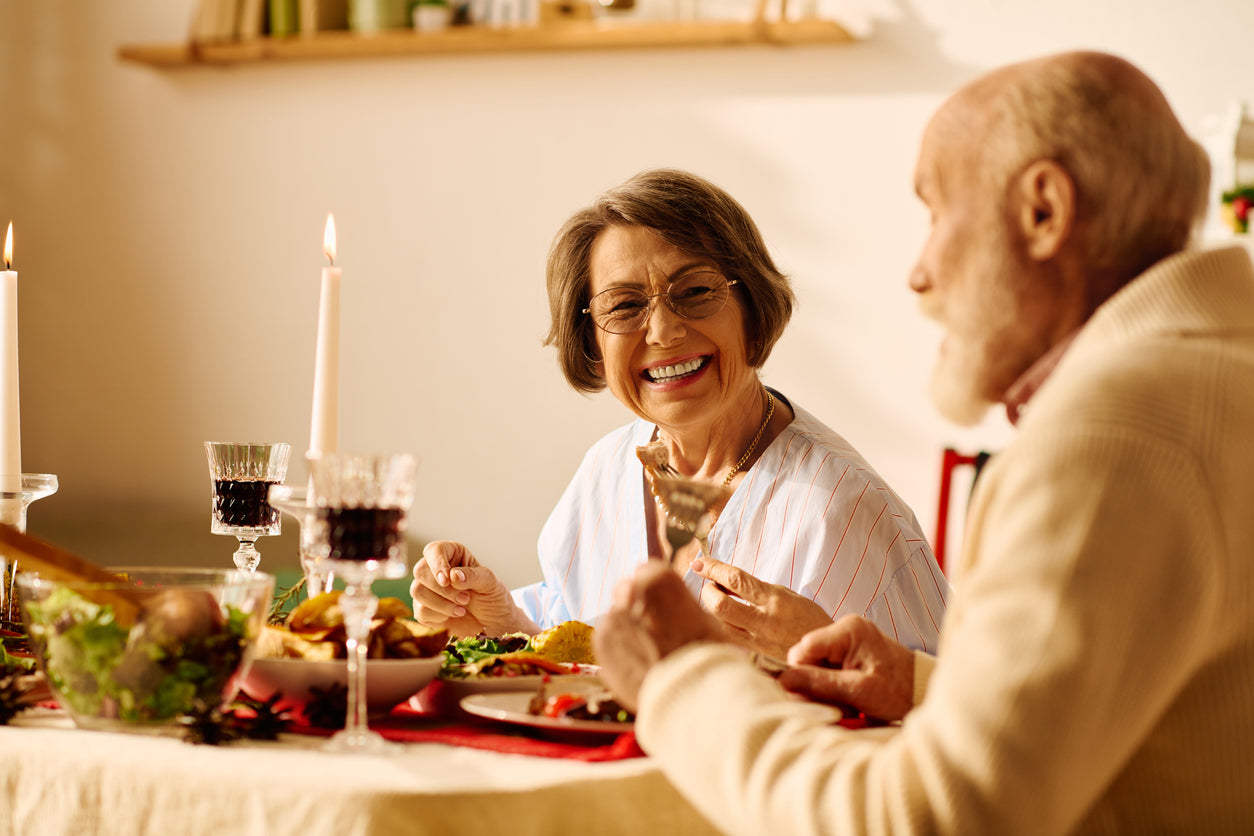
753 445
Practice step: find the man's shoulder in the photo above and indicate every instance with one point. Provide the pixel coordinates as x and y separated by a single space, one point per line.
1166 381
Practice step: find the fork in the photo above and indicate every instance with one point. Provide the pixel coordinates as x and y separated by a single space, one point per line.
687 502
677 534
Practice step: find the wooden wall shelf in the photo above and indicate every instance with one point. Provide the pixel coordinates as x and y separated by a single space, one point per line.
570 35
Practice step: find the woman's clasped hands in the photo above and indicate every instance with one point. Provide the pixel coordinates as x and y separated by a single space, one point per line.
453 590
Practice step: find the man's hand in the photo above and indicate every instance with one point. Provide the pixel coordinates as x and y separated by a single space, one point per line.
451 589
761 616
653 615
874 673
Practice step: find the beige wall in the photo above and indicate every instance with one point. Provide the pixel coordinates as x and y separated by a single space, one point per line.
168 233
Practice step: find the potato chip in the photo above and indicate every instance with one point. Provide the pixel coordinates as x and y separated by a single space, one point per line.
315 630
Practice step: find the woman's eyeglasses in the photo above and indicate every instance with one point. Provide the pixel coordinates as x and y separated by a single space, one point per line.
624 310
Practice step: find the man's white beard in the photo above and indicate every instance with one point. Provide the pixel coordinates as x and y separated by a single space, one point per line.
953 390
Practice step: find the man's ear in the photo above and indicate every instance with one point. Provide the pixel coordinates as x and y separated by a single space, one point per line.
1044 195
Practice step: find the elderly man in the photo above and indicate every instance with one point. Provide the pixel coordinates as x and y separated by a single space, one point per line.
1096 668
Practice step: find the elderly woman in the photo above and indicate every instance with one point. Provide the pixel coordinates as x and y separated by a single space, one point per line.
664 292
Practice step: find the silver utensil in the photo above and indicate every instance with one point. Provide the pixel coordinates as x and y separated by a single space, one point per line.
686 503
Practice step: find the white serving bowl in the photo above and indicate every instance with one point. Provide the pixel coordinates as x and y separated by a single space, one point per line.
389 682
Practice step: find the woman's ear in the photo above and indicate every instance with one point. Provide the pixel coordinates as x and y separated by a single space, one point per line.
594 360
1045 199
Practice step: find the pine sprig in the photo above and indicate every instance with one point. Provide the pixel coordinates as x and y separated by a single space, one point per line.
278 608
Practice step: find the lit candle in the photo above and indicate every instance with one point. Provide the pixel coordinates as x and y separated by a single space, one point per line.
10 410
324 424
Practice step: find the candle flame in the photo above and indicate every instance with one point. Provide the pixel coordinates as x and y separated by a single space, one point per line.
328 238
8 248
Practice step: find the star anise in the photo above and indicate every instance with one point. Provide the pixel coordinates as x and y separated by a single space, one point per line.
327 707
13 688
207 723
264 721
210 724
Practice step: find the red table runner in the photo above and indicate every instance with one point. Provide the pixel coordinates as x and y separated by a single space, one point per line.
408 725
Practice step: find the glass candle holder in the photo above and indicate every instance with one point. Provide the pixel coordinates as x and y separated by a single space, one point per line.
16 495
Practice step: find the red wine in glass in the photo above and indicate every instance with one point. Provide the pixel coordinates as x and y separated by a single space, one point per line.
359 534
239 503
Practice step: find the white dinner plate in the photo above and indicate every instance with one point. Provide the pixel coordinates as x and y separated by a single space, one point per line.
511 707
444 696
587 676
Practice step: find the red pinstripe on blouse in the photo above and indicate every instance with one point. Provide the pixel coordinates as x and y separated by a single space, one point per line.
792 566
939 591
853 512
917 631
880 583
757 552
926 608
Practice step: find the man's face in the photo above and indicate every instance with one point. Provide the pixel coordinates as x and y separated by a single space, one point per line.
970 276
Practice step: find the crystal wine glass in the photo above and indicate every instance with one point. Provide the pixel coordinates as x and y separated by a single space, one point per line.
242 473
362 503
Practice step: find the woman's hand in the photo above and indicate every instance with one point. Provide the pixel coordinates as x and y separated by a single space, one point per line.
451 589
872 672
762 616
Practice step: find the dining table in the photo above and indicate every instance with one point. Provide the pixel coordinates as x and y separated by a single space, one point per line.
441 775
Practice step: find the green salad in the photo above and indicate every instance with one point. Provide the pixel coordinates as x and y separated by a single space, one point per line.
471 649
183 649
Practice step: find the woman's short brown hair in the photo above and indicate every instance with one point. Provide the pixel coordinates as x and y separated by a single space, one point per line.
689 213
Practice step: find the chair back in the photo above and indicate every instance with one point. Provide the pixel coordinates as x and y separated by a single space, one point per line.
951 460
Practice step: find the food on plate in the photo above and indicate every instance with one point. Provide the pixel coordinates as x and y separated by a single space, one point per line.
593 705
315 630
470 649
561 650
521 663
570 641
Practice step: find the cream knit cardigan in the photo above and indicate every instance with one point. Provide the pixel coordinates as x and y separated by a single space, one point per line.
1096 667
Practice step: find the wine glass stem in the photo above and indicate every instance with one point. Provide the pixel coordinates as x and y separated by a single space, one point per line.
246 556
358 604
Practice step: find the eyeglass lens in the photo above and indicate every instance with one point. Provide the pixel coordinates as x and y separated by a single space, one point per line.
622 310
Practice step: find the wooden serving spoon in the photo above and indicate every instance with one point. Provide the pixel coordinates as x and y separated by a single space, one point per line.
29 554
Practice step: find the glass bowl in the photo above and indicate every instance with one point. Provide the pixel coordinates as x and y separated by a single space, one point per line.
143 652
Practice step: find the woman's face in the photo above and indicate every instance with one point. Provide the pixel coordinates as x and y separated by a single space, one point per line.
708 355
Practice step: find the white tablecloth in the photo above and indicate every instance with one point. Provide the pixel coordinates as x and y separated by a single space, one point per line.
55 779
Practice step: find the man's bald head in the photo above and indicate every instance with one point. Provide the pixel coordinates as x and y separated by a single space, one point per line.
1051 184
1141 183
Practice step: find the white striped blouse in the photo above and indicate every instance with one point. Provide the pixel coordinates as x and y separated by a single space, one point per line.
810 515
